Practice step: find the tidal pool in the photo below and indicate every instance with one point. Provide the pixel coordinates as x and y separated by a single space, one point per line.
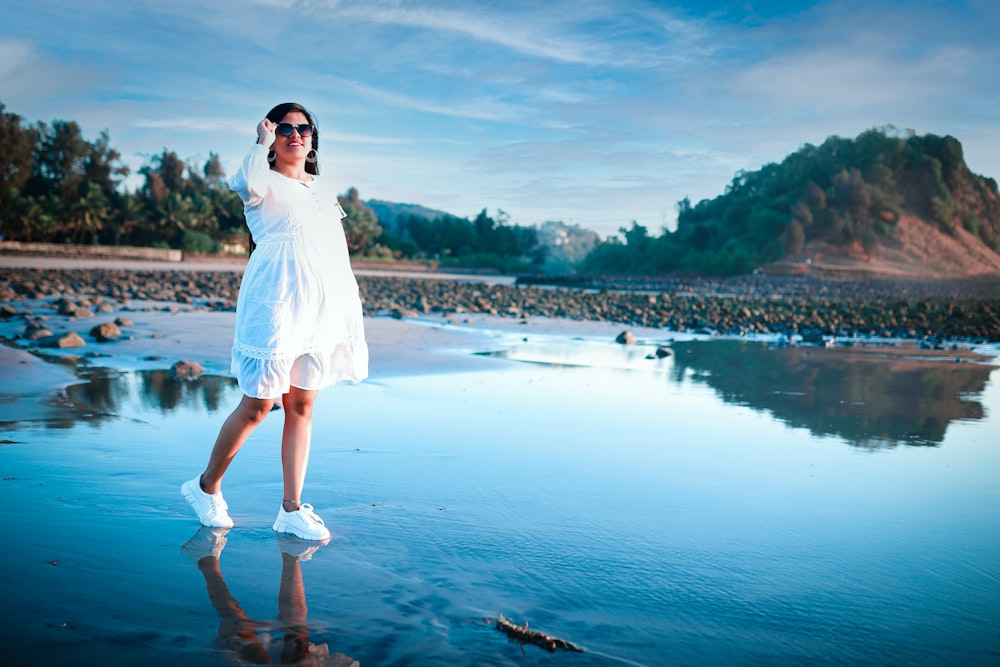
731 503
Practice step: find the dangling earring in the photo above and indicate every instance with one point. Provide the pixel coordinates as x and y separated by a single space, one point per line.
271 157
312 156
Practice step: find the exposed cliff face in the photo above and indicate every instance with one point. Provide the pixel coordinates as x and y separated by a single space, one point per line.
917 249
881 203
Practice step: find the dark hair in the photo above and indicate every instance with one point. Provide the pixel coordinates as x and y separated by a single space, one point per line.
277 113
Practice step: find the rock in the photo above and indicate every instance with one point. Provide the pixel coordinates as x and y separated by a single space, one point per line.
186 370
789 306
71 339
123 321
813 338
106 332
7 311
625 338
66 306
35 331
402 313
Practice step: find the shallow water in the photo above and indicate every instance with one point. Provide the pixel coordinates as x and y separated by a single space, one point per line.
728 504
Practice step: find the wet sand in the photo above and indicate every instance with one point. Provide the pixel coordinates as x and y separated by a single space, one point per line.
163 333
732 503
414 340
158 339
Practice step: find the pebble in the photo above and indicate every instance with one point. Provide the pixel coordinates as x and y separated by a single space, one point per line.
809 307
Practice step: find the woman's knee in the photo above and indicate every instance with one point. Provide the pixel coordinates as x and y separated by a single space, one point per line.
254 410
299 402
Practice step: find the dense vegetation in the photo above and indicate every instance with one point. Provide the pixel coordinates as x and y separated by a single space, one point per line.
58 187
846 191
483 242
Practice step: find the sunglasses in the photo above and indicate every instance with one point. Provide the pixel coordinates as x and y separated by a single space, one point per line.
286 129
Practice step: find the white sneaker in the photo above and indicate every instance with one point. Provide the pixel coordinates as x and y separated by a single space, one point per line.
207 542
211 508
298 548
301 523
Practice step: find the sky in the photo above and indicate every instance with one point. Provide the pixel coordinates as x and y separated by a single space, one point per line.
595 113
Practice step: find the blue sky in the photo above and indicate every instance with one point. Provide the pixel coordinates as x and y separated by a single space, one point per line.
594 113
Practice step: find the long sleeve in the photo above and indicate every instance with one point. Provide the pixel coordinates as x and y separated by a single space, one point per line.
252 180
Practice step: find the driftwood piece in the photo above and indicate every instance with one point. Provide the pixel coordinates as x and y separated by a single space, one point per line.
522 634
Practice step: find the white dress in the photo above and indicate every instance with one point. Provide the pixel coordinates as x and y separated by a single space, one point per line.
298 315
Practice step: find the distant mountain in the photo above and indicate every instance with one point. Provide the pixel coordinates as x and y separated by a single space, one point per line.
566 246
879 204
388 211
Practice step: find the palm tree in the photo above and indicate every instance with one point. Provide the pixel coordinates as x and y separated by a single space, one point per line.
131 216
88 214
176 215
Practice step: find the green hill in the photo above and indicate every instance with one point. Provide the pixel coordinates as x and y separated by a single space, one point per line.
848 196
388 211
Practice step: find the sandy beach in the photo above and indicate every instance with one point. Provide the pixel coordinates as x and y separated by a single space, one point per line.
691 498
161 336
163 333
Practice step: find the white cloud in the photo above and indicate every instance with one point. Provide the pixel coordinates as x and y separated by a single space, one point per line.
838 80
581 110
15 55
485 25
367 139
484 108
575 32
189 123
31 80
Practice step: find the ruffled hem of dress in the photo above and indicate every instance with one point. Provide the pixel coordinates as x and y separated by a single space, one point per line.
271 377
271 354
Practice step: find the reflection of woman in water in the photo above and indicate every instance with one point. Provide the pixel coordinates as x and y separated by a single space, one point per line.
250 641
298 316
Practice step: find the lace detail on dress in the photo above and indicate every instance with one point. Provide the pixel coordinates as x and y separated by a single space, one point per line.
281 237
271 354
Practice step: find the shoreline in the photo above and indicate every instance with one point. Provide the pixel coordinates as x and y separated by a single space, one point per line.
815 309
418 322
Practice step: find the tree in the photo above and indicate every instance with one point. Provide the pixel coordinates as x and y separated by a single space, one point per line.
852 193
60 160
484 225
164 176
793 238
17 157
361 224
102 166
130 222
215 176
174 216
88 215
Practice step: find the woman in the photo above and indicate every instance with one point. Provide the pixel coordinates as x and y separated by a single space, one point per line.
298 316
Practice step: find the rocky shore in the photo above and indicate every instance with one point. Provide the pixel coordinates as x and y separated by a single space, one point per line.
813 308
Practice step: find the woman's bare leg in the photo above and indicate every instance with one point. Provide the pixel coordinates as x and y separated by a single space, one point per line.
292 612
234 432
296 439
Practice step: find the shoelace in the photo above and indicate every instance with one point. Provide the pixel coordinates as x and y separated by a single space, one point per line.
307 513
217 502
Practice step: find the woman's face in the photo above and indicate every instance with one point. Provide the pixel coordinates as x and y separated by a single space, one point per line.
292 148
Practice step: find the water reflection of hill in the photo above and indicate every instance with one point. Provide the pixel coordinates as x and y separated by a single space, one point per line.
871 398
109 394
